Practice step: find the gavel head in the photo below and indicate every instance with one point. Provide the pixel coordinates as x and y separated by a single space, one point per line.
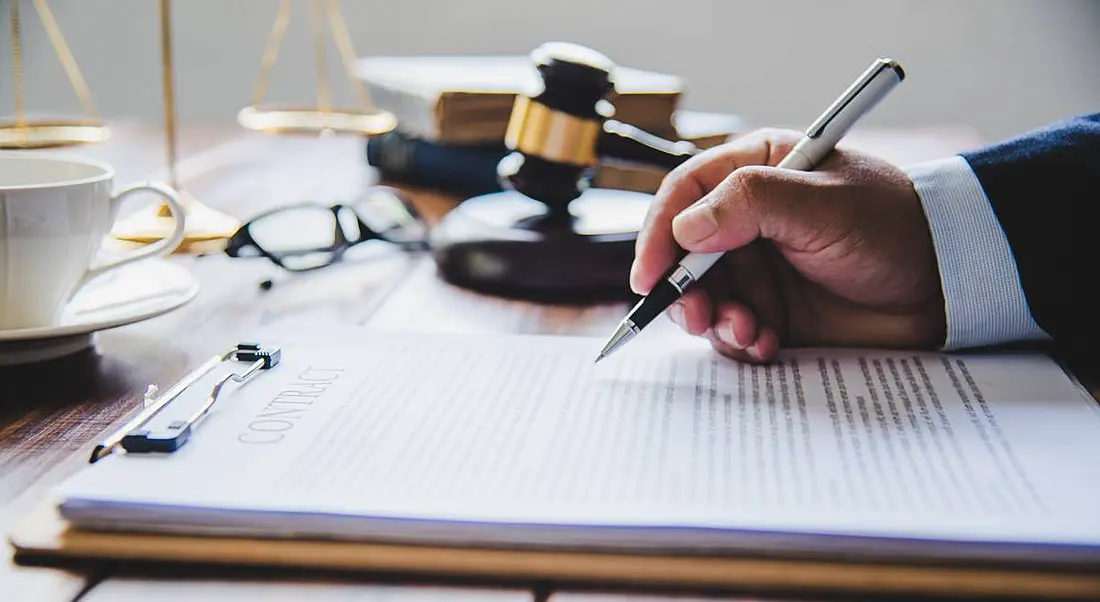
555 127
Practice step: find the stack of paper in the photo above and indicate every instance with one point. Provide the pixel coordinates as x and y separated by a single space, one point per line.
521 442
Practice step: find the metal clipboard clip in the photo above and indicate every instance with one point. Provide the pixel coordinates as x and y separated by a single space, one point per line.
136 439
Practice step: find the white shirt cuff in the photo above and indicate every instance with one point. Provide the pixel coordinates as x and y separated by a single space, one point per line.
985 300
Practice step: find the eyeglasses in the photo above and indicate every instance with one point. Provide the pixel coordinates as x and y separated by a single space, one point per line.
308 236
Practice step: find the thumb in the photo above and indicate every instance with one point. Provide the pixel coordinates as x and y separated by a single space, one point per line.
752 202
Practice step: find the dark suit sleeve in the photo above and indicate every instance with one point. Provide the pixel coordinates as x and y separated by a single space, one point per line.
1044 187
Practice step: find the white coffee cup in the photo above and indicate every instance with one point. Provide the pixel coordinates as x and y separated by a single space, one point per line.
54 216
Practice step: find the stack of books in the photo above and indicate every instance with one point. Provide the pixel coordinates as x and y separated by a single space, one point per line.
452 113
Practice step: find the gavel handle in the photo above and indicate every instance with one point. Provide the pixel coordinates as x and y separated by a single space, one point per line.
622 142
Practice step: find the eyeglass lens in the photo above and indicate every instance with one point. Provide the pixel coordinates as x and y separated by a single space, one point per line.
389 216
301 237
311 236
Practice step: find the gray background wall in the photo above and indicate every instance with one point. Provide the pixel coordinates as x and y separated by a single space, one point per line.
999 65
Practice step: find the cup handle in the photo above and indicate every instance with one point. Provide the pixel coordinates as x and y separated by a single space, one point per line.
159 248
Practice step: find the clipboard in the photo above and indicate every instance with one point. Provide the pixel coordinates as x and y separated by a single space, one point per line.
44 537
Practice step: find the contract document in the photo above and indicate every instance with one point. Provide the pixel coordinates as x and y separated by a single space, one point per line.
521 441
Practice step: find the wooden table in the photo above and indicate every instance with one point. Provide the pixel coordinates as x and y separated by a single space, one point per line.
51 413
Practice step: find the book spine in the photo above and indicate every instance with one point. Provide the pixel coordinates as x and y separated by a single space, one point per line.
467 170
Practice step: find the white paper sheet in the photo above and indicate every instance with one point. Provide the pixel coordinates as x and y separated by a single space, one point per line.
487 438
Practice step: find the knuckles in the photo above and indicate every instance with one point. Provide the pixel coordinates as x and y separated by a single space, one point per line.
745 187
777 141
777 135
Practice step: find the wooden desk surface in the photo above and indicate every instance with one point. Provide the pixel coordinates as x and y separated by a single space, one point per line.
51 413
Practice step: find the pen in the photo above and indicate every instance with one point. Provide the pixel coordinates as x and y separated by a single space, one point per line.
817 142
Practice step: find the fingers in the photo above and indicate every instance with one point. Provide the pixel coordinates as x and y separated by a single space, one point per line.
735 325
746 328
751 277
656 249
692 312
731 329
763 349
751 203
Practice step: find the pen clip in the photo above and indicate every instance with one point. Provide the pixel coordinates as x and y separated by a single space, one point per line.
876 68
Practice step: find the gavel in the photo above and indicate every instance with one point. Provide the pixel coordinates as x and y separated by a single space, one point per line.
562 129
549 235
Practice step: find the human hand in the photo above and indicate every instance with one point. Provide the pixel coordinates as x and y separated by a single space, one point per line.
838 256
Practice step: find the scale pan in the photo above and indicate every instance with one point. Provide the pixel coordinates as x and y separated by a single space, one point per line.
313 120
52 133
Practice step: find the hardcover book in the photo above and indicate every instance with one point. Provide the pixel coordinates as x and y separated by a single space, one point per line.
468 99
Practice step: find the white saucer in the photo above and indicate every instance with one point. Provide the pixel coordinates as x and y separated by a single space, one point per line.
133 293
